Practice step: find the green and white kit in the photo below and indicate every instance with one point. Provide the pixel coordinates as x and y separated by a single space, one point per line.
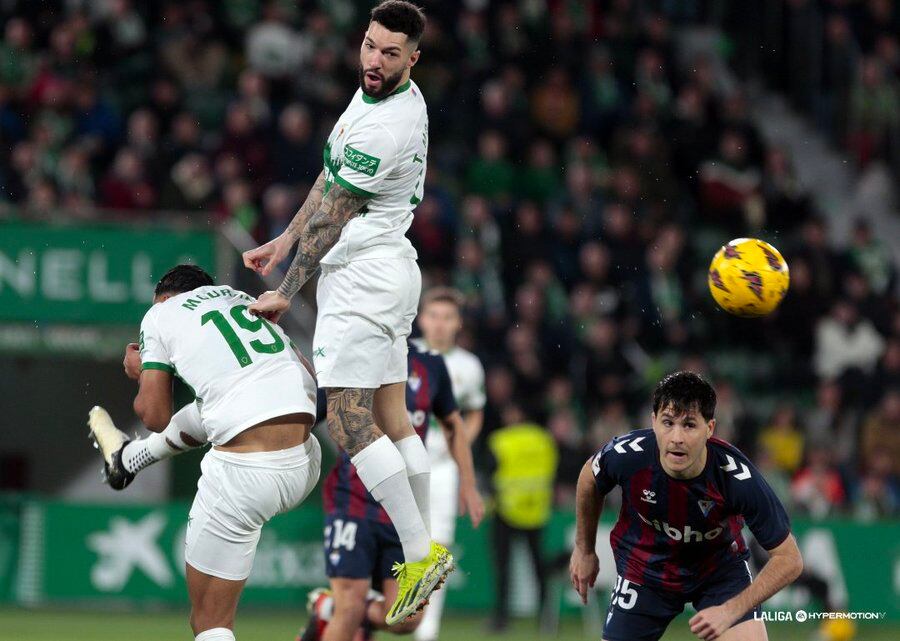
242 368
368 293
244 371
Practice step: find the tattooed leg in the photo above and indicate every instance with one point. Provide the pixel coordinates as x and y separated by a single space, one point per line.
379 464
350 419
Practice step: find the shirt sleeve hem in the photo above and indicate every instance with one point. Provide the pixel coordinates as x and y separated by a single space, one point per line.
775 545
159 366
352 188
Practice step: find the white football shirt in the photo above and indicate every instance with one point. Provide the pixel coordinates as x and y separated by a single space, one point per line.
242 369
467 379
378 149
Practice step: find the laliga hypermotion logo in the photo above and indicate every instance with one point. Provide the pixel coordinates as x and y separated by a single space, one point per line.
754 283
771 258
716 279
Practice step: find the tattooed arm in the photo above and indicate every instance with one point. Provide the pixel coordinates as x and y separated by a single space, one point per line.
308 208
319 235
264 258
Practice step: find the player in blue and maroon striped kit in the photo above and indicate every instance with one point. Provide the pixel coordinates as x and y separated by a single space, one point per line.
361 543
685 498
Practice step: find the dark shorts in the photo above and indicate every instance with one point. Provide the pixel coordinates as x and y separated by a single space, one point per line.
640 613
360 548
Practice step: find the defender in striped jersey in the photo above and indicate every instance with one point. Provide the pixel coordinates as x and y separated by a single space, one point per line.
361 545
685 498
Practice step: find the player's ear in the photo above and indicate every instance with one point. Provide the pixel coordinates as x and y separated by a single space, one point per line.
413 58
710 428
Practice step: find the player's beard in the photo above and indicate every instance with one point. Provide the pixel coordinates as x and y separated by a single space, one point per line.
388 84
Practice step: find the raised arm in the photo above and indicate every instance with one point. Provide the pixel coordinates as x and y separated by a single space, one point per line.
584 564
319 235
264 258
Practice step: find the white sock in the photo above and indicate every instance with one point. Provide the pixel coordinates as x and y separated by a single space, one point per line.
216 634
382 471
430 625
184 432
418 470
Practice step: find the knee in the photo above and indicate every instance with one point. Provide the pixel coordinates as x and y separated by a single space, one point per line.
352 613
350 605
204 617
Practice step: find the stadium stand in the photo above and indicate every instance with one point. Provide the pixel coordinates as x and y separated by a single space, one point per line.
575 193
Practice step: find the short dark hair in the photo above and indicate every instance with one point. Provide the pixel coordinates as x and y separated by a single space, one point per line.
685 391
182 278
444 295
400 16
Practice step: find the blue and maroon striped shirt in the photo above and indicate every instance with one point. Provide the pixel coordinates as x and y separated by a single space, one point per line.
428 389
673 534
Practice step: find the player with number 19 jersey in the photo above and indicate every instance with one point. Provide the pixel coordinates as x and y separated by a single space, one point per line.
241 368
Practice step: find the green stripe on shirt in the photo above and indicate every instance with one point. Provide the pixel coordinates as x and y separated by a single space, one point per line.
160 366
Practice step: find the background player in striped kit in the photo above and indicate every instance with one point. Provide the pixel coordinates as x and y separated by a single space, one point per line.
361 543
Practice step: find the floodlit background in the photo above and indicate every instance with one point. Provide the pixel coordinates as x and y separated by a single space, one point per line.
586 160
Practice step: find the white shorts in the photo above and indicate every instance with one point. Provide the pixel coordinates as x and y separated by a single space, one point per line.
236 495
366 310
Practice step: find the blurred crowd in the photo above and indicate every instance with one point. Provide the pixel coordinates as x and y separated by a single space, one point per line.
837 60
582 172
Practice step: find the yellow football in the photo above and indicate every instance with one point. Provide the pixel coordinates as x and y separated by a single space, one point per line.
748 277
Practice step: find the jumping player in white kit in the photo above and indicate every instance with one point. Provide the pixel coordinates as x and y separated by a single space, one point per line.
255 402
353 225
440 319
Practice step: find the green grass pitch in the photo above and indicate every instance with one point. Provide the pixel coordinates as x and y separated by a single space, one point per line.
80 625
